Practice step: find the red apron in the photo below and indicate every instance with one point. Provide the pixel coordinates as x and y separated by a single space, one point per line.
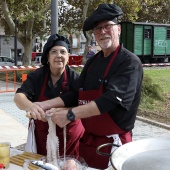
74 130
97 128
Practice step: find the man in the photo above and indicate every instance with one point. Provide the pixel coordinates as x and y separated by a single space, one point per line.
90 52
109 90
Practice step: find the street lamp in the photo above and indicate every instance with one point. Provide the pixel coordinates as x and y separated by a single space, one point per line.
54 16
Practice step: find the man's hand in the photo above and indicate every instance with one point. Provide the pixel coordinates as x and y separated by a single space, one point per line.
59 116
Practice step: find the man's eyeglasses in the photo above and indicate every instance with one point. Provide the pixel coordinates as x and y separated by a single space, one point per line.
55 52
107 27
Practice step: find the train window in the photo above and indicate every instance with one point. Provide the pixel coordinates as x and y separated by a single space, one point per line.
168 34
147 33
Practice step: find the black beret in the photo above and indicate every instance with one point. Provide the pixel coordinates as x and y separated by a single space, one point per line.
52 41
103 12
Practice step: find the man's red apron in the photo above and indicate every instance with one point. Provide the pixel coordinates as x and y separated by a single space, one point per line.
74 130
97 128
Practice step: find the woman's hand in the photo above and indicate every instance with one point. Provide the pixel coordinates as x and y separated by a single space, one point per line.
43 105
36 112
52 103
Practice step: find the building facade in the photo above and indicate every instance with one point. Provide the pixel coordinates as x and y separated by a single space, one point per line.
7 47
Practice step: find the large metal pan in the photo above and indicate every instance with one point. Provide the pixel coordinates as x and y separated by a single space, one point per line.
146 154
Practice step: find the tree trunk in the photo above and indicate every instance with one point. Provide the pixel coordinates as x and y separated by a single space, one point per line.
88 38
85 9
27 56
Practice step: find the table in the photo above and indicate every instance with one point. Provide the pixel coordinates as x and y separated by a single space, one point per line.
14 151
16 167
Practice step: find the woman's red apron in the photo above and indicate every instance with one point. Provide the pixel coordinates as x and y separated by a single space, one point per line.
97 128
74 130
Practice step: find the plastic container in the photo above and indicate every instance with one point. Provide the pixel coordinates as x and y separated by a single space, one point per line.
1 166
5 154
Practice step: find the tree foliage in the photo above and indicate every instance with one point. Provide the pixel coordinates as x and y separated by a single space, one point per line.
74 15
33 19
156 11
30 18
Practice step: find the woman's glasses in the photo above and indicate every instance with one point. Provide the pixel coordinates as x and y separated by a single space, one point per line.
56 52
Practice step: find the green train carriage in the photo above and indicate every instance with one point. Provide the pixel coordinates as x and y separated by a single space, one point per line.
149 41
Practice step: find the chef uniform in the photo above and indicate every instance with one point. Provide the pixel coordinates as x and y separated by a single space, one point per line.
38 87
74 130
99 129
114 83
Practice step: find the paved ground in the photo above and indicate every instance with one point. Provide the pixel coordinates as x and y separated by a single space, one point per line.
13 124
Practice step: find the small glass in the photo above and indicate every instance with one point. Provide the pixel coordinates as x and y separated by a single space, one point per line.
5 153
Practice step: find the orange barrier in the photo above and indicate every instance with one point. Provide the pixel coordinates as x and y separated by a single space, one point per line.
9 85
24 77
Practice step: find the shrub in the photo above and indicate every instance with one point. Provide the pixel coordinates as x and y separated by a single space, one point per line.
150 90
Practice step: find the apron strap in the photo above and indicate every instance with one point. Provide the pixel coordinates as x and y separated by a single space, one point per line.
111 61
44 85
65 82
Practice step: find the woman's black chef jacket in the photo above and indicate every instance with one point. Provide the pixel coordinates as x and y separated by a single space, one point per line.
38 88
122 87
32 87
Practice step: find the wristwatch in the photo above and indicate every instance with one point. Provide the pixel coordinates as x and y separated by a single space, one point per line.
70 115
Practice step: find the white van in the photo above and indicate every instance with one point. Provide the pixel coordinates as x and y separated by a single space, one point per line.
6 61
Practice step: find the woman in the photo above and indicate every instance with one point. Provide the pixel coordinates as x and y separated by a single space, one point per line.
53 79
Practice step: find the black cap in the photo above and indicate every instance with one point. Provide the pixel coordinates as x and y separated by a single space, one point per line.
103 12
54 40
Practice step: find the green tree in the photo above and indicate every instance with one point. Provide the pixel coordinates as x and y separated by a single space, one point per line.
32 19
74 14
157 11
72 17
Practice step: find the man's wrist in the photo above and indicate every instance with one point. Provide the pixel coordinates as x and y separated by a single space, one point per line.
70 115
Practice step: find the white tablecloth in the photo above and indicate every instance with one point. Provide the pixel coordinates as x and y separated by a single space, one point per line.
15 167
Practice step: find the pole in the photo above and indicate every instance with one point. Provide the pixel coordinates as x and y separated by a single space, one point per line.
0 45
54 16
15 42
